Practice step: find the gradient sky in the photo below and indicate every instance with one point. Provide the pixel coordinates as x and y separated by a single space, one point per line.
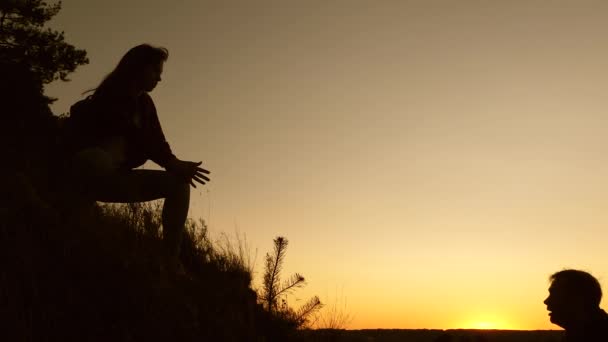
430 162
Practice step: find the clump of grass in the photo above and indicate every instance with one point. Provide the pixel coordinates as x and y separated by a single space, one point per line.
234 254
334 316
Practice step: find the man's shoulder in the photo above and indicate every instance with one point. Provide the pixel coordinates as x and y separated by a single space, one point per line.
603 316
601 325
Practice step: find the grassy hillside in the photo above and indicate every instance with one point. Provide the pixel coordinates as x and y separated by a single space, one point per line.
97 275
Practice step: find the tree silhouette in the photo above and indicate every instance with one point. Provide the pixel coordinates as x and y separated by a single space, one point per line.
24 41
30 57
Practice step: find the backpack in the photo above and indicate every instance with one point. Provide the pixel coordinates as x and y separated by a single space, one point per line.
79 127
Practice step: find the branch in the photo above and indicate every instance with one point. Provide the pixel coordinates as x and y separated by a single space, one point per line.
280 245
268 281
296 281
311 306
9 44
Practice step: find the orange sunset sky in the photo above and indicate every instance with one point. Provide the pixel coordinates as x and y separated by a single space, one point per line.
430 162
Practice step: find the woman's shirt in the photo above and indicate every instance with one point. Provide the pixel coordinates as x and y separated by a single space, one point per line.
128 129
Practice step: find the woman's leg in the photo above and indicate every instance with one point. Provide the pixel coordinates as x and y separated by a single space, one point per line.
105 183
148 185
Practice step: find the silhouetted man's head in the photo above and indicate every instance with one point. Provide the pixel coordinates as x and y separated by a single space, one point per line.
573 295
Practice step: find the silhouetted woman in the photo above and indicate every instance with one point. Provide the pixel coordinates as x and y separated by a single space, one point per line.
121 134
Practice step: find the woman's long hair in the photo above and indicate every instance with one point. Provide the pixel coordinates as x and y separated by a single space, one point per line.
130 68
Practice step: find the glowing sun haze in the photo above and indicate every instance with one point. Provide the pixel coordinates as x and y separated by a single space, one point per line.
432 161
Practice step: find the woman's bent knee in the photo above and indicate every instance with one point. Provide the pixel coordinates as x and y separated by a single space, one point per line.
177 186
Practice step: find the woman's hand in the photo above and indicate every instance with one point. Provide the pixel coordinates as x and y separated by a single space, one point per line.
188 171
